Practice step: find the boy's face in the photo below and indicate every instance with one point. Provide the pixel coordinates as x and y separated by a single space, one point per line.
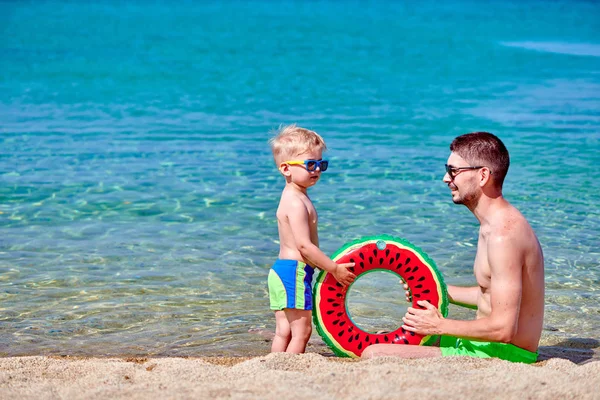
297 173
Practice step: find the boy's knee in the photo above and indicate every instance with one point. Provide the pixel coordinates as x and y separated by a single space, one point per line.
307 333
283 333
302 332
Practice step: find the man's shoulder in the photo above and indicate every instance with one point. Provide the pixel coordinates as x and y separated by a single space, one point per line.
509 221
511 228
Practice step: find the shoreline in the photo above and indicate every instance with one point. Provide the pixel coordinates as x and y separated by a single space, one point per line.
276 376
575 349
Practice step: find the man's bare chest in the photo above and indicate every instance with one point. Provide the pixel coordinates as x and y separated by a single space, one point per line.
481 268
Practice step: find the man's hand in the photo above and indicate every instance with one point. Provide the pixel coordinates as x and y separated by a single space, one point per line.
342 275
423 322
407 292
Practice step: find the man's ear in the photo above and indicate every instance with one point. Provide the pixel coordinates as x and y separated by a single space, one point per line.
485 176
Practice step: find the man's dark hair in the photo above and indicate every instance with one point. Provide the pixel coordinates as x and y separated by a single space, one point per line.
483 149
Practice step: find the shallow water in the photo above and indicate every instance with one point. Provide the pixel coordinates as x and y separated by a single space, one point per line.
137 191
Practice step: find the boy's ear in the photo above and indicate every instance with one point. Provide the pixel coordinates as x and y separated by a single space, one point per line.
284 168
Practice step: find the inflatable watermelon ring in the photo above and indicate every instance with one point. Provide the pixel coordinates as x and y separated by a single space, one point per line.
385 253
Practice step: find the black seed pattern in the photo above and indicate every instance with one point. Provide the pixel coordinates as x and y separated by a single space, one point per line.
391 259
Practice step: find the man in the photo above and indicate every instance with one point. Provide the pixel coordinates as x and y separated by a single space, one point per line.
509 268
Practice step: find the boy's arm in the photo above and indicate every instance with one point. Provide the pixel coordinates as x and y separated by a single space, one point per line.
299 224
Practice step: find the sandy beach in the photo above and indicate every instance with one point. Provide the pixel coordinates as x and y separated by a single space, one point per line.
565 373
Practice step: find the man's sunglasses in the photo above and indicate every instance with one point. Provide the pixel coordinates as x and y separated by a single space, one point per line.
453 171
311 165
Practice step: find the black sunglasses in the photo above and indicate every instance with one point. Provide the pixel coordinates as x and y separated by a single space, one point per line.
453 171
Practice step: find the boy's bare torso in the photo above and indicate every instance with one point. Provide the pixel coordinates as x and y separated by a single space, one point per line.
291 200
509 225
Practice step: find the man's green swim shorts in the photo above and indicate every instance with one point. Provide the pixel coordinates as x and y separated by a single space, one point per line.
452 346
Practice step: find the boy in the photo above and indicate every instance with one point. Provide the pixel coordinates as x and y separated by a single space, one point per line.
298 154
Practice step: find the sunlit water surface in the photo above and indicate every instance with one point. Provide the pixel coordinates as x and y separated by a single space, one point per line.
138 193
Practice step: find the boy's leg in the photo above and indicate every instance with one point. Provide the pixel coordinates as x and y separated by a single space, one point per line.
283 334
301 327
400 350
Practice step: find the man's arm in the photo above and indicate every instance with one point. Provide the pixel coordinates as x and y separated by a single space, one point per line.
505 260
459 295
298 218
463 296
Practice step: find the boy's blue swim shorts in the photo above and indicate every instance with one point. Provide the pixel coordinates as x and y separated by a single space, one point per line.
290 285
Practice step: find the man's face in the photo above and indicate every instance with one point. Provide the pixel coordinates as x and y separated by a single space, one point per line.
461 179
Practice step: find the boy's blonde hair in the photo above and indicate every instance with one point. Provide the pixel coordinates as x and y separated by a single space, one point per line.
291 140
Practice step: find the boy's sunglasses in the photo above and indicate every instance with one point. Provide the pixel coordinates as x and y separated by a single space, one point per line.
311 165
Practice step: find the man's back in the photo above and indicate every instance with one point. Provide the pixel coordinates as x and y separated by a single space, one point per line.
504 227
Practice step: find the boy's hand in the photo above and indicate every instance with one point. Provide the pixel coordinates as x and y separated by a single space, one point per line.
343 275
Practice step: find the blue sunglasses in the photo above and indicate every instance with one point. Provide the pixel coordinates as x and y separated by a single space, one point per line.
311 165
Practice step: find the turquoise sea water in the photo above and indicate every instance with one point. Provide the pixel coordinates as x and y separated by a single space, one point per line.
138 193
